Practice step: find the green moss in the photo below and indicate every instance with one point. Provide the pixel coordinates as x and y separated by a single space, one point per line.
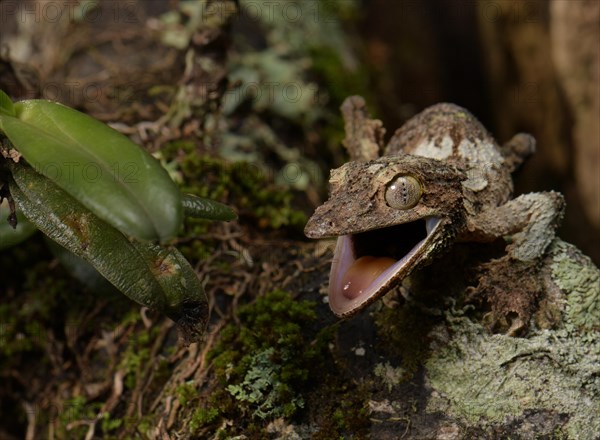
242 185
109 424
136 355
30 306
265 364
180 147
146 425
17 335
186 392
43 314
339 419
40 297
346 416
203 417
76 409
341 82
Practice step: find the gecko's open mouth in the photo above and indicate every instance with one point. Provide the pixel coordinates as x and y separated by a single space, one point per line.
367 264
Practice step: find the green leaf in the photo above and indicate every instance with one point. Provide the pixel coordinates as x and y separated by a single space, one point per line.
104 170
6 105
151 275
10 237
80 269
199 207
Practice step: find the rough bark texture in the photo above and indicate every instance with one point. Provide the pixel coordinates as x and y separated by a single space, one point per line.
499 60
575 33
542 68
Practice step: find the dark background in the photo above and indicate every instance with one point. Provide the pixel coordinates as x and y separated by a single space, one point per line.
502 61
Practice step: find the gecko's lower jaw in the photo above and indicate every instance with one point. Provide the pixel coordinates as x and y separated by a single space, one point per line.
367 265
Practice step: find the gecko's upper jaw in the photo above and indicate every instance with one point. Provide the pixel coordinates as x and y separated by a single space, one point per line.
367 265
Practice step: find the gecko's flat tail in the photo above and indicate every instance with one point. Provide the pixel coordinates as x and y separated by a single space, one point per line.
367 265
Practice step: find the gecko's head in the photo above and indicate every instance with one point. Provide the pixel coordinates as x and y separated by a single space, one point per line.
390 215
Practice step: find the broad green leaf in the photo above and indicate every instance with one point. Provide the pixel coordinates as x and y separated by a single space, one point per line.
199 207
151 275
6 105
101 168
80 269
10 237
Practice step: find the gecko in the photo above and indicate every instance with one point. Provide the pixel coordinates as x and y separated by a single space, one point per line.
441 179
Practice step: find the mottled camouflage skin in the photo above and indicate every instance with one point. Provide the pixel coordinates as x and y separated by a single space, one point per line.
466 180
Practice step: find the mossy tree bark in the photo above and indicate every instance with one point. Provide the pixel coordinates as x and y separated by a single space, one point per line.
275 363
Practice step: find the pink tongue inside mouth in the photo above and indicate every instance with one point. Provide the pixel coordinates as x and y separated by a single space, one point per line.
362 273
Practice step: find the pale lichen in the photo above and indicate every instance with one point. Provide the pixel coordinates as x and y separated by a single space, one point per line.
579 279
263 390
390 376
486 379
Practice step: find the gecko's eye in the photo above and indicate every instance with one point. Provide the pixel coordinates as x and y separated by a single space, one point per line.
403 192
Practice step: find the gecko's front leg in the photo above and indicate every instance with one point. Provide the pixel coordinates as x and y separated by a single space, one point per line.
511 284
528 222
